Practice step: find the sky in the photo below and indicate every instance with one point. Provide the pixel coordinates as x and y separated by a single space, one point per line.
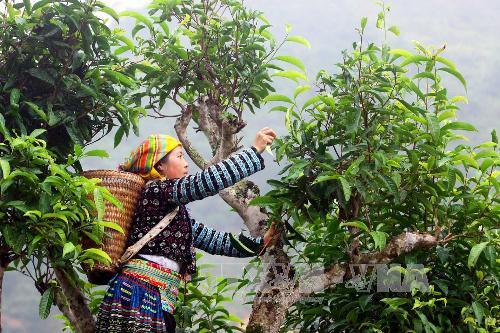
469 29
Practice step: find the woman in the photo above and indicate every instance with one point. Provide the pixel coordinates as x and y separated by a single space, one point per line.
142 296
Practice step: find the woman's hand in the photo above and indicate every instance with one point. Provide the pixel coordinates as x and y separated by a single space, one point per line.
263 138
270 238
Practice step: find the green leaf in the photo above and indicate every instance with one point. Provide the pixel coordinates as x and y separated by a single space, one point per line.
36 133
3 130
446 62
55 216
433 125
234 318
119 78
416 90
475 252
478 311
99 203
40 4
458 125
27 6
486 164
364 20
452 179
380 20
277 98
46 303
73 134
401 52
462 99
346 188
109 197
467 159
5 165
68 248
291 74
262 201
99 255
118 136
14 97
456 74
9 236
111 225
127 42
426 75
446 115
311 101
396 302
390 184
417 58
328 100
165 28
324 177
295 234
395 30
97 153
88 90
111 12
299 39
78 59
301 89
41 74
292 60
37 110
135 30
355 224
92 237
139 17
380 239
121 49
288 119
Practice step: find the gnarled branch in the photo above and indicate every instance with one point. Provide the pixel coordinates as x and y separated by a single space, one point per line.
402 243
181 125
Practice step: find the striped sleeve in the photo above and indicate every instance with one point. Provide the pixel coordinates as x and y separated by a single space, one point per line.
216 177
218 242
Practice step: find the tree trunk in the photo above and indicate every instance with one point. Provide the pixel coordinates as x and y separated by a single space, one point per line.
62 305
270 304
2 271
77 307
6 257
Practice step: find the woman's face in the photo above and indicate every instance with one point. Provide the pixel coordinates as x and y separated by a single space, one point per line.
175 166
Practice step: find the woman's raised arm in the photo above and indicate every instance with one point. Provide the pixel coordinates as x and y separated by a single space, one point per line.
213 179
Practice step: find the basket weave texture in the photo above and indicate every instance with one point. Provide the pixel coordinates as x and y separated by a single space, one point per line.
127 188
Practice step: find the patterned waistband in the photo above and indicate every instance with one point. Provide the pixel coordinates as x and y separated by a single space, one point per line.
166 279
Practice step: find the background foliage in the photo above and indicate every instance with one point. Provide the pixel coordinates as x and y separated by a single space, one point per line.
368 159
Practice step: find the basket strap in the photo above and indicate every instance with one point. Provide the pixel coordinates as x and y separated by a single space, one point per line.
132 250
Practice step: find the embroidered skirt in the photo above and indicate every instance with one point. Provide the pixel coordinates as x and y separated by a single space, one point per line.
141 298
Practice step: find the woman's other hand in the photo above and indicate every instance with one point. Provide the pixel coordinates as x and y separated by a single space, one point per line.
273 234
263 138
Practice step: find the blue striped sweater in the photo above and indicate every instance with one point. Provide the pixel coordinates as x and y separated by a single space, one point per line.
178 240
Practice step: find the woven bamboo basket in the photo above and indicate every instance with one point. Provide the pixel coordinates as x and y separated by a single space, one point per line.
126 187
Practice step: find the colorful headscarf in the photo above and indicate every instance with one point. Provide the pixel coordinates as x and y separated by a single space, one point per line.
144 157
